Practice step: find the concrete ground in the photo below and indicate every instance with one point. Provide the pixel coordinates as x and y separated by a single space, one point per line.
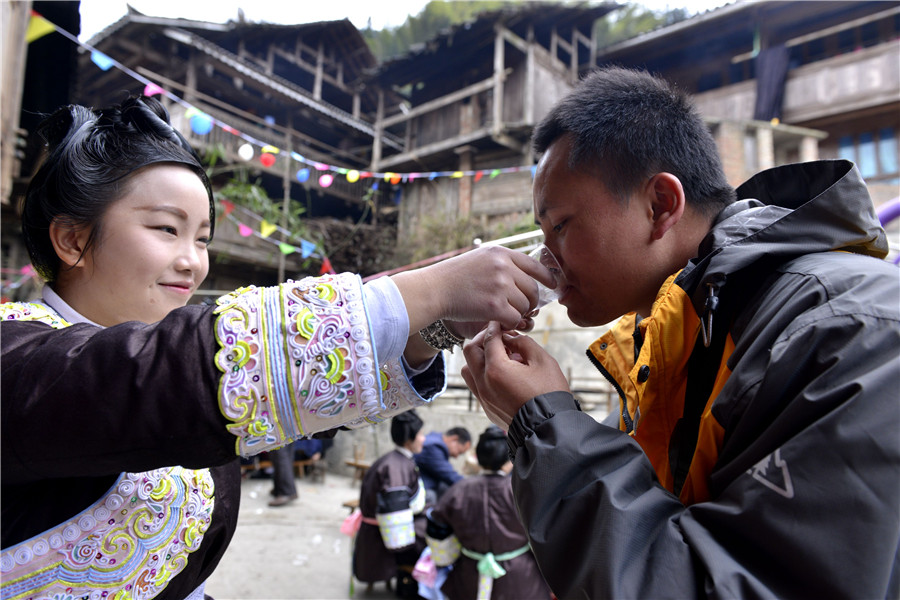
297 551
293 551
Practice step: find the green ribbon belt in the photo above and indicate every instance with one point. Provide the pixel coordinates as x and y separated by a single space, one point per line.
489 563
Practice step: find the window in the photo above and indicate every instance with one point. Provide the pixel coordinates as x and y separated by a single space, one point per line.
875 153
866 157
887 151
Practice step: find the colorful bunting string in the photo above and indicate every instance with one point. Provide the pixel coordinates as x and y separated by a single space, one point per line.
202 123
266 229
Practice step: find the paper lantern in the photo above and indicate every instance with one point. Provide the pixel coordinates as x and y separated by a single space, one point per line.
395 178
326 180
267 159
201 124
246 152
302 175
352 176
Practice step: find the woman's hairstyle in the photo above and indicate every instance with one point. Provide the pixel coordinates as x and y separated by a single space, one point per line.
405 427
492 451
89 155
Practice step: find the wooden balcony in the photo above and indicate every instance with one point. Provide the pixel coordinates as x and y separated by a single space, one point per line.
849 83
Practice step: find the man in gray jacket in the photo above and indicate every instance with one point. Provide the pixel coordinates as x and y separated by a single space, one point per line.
756 450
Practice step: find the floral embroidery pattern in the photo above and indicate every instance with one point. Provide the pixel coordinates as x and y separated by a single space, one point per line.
295 359
298 358
31 311
129 544
397 396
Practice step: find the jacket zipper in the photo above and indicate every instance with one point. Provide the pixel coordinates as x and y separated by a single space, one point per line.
629 424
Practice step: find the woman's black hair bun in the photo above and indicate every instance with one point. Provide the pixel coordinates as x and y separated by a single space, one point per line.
493 433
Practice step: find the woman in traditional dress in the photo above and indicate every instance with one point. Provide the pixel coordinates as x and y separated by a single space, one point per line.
475 528
391 499
110 379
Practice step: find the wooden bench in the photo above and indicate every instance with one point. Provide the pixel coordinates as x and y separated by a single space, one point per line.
351 505
317 471
360 467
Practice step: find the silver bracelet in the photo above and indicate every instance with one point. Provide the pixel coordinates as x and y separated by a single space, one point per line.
439 337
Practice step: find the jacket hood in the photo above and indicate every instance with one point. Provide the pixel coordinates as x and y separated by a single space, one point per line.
783 213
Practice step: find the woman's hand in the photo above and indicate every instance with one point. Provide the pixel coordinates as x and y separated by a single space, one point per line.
491 283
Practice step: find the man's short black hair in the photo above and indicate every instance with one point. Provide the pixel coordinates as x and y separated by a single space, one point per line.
627 125
462 434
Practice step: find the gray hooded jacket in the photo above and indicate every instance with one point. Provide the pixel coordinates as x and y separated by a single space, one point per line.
804 492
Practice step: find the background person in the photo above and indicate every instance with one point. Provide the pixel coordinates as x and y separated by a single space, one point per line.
110 380
284 486
434 460
755 450
476 529
391 499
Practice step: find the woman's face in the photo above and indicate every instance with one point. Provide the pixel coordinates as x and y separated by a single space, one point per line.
415 445
151 255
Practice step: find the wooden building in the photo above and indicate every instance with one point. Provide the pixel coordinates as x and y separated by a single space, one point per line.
471 98
777 81
828 71
300 89
37 77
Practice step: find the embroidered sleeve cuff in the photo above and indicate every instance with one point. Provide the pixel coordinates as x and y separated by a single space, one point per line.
533 413
295 359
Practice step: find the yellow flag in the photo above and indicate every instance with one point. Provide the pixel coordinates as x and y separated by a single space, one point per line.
266 228
38 27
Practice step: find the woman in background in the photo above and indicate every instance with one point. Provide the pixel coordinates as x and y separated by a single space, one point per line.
391 500
110 379
475 527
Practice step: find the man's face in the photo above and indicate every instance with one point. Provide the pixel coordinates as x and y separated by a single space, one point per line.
456 447
599 241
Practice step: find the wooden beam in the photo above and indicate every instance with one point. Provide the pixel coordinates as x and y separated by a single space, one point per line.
141 50
432 105
826 32
379 132
573 58
530 77
299 62
498 82
320 68
256 119
510 142
429 149
515 40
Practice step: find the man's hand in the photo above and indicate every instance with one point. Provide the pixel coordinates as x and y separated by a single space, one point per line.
505 370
